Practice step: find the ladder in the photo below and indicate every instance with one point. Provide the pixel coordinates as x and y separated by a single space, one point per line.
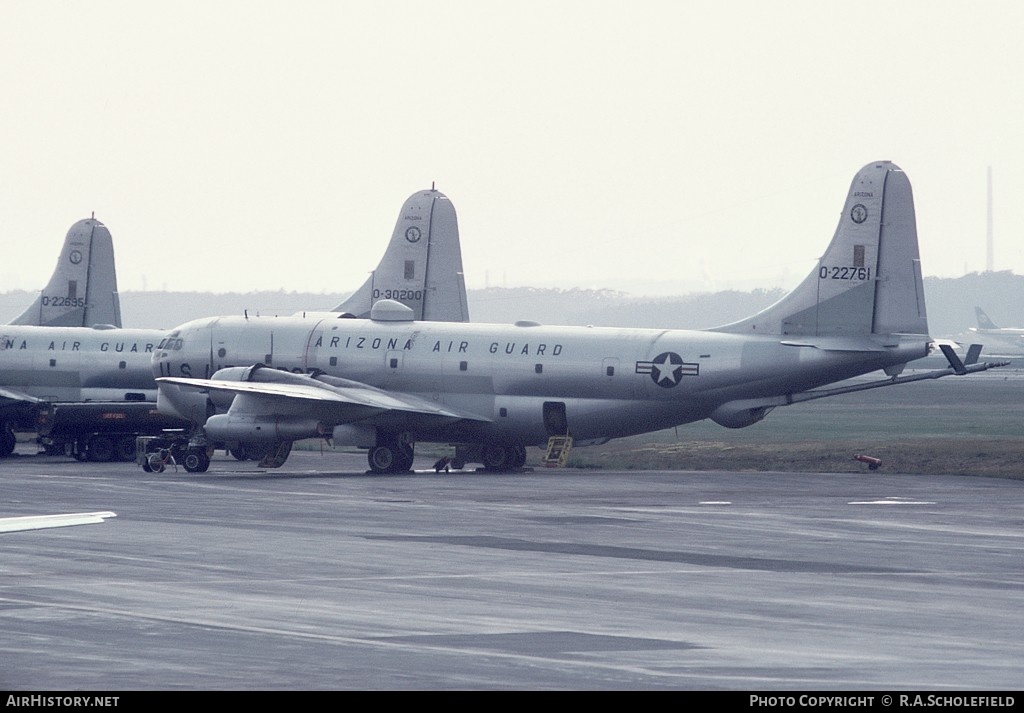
558 451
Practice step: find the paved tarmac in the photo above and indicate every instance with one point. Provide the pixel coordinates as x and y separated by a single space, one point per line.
320 576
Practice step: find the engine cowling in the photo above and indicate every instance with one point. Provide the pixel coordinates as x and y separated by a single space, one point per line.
739 414
225 427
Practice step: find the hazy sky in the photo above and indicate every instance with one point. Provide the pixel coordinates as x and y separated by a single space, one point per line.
235 146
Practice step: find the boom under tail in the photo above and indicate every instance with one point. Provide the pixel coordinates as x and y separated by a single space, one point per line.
422 266
82 291
869 281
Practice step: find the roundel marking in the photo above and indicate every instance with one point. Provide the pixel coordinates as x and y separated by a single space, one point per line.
667 369
412 234
858 214
75 257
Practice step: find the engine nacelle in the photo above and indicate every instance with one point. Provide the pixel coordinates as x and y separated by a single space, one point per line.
737 414
258 373
354 434
225 427
184 403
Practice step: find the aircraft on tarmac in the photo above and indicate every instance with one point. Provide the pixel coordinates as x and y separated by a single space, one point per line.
1003 339
42 522
95 385
389 381
82 291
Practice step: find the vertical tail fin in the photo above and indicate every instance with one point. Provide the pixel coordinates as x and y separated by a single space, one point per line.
422 266
83 288
869 279
983 320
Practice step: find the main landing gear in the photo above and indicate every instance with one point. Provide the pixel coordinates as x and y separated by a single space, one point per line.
155 453
496 458
7 440
392 454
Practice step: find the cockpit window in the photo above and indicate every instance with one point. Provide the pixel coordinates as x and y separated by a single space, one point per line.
172 345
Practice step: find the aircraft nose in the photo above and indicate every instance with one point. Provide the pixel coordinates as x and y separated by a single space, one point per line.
169 357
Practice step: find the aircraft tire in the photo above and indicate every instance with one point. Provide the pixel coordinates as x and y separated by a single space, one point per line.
382 459
7 441
125 449
497 458
196 461
518 456
404 454
101 449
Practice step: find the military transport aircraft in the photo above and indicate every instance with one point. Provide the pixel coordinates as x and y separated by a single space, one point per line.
389 381
94 385
82 291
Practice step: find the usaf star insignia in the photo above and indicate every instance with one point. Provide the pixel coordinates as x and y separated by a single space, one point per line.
667 369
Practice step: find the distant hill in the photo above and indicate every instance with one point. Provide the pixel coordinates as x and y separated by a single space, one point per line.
950 301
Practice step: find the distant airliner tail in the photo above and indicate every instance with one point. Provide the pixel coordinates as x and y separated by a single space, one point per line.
983 321
82 291
422 266
869 279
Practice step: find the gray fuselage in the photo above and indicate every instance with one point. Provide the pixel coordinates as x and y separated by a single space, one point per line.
610 382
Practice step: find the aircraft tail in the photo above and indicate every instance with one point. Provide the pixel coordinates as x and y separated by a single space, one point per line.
82 291
983 321
422 266
869 279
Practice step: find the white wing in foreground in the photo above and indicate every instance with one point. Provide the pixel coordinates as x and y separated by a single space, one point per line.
350 400
42 522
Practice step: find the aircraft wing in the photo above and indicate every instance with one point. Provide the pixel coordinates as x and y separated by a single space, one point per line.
8 395
345 401
42 522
